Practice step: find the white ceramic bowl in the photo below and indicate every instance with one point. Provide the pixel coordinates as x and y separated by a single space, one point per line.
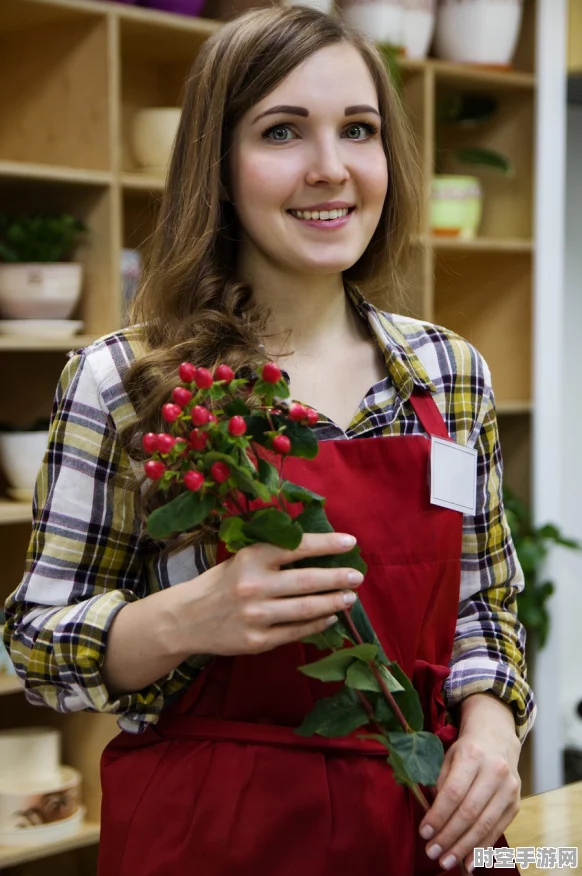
21 455
152 137
27 804
42 328
39 291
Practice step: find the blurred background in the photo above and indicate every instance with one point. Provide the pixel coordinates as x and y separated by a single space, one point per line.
89 104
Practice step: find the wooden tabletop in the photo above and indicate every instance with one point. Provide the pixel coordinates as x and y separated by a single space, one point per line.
550 819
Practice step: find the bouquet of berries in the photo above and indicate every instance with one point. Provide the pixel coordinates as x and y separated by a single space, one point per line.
227 458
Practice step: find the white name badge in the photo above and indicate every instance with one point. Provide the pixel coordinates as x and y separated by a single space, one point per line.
453 475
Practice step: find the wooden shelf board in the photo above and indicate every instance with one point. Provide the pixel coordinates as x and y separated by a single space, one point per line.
473 75
509 408
10 684
142 182
52 173
10 856
481 244
31 343
15 512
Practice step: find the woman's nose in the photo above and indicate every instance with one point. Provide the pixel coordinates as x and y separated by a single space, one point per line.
326 164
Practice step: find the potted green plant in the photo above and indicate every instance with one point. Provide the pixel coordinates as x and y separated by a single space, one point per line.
457 200
532 544
37 280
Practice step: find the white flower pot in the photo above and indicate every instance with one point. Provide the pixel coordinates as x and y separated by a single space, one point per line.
419 23
456 206
39 291
478 31
152 137
21 455
380 20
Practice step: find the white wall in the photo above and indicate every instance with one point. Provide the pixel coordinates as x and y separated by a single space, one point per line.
571 576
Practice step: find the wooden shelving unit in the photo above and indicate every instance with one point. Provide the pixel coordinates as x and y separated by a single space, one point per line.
65 146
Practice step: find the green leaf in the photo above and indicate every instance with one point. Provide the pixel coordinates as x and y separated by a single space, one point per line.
180 515
329 639
314 519
304 444
360 677
242 477
365 629
232 534
334 667
268 474
417 756
485 158
406 699
332 716
296 493
236 408
274 527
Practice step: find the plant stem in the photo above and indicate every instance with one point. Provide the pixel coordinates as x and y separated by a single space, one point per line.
377 675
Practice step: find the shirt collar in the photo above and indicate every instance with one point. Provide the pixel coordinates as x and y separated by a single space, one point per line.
404 367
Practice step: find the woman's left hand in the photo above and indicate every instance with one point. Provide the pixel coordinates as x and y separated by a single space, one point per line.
478 789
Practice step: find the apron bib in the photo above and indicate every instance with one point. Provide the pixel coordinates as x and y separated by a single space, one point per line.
222 786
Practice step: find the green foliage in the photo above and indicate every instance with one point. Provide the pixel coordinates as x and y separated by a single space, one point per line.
39 238
532 545
468 111
180 514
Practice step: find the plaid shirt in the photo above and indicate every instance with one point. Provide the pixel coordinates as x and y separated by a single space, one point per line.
86 558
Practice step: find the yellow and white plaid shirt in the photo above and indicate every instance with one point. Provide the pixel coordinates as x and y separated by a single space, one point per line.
87 557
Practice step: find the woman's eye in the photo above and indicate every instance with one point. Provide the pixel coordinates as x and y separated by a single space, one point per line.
277 132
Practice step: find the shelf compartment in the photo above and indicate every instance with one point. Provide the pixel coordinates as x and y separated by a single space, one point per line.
491 308
10 684
11 856
54 97
36 344
98 307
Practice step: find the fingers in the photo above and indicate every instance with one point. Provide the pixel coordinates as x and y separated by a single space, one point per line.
499 817
296 582
313 544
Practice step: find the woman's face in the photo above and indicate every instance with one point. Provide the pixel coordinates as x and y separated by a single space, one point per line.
313 144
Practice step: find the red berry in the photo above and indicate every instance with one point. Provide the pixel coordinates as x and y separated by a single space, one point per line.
154 469
198 439
281 444
312 416
203 378
224 372
149 442
181 395
271 373
220 472
193 480
212 419
165 442
199 415
170 412
297 412
187 372
237 426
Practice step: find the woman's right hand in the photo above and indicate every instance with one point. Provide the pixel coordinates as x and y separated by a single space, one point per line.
248 604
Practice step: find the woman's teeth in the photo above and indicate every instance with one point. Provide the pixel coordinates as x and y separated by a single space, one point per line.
319 214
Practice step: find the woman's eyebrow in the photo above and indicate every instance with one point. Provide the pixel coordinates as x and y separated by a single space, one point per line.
302 111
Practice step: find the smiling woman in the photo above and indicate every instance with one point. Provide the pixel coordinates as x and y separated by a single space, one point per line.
291 200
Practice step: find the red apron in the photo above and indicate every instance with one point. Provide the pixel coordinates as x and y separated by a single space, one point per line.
222 786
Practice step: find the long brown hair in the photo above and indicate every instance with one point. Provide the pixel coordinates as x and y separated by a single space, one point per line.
190 305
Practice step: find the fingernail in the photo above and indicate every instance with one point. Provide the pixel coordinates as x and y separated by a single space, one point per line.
449 862
355 577
350 598
434 851
347 540
427 831
471 867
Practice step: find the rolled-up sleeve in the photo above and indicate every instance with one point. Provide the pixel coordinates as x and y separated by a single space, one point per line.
84 562
489 647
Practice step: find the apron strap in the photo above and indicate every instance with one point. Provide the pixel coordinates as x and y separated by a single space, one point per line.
426 410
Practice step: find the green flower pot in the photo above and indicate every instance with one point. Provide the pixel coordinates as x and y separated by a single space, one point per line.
455 206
